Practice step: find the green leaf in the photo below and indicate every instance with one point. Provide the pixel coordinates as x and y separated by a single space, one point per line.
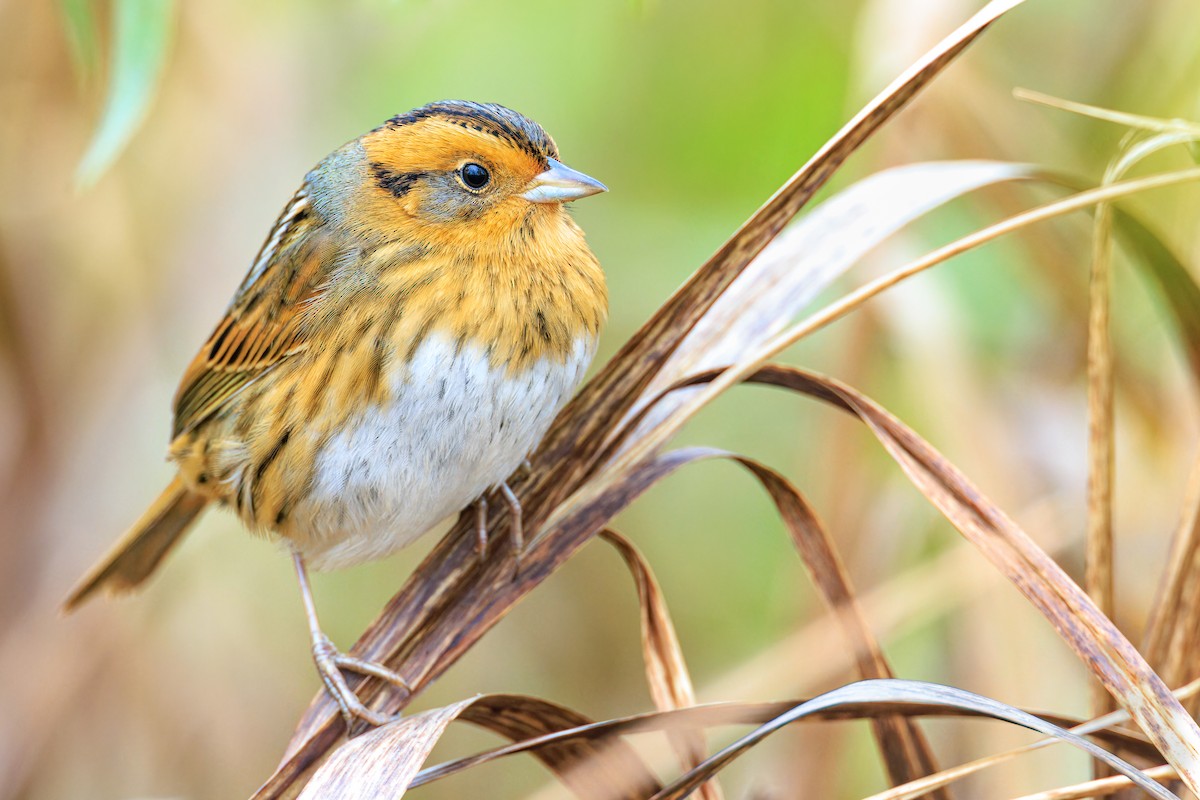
79 20
141 29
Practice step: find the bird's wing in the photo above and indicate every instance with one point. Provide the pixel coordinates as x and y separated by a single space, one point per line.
265 322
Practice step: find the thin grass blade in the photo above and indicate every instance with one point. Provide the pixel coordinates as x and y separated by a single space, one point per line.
1135 121
385 760
906 753
725 714
1103 787
1095 728
810 255
893 690
667 674
1098 554
615 390
1093 637
597 768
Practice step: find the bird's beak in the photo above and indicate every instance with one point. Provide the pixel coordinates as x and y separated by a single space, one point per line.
560 184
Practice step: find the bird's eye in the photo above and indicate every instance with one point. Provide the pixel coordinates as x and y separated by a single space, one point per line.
474 176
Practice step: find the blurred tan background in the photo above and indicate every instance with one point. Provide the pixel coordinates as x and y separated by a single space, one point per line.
692 113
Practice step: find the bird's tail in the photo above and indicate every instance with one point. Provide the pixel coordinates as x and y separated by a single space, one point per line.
138 553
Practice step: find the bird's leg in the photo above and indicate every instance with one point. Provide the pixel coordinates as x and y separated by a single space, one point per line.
514 509
331 662
481 522
481 531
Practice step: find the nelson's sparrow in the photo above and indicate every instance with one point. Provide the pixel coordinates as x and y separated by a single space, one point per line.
421 310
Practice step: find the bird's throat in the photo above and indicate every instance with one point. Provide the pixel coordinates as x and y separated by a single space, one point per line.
533 297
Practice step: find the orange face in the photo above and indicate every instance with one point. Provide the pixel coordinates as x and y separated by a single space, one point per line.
456 173
453 214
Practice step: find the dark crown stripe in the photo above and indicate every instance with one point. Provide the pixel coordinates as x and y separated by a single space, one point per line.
496 120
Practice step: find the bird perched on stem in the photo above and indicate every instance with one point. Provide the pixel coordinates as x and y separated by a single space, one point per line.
417 316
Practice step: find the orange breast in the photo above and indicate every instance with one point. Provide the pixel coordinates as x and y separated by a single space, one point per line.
520 313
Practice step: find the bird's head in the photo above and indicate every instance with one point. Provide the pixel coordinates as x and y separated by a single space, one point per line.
455 173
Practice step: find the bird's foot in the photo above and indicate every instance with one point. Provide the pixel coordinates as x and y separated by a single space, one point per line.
515 518
481 527
331 663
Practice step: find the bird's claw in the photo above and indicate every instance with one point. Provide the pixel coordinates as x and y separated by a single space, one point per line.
515 519
331 663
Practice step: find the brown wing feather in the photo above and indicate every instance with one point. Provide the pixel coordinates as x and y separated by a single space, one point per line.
265 322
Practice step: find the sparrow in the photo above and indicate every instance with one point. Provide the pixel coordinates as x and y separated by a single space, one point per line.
419 313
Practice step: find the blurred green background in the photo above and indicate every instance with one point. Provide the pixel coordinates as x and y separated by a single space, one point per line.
693 113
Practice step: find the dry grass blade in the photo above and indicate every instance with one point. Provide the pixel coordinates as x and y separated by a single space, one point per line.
676 721
721 714
384 761
725 714
1098 560
1174 625
1099 570
464 596
1093 637
625 454
807 257
1077 202
601 768
666 671
359 766
1103 787
913 600
1100 727
1136 121
1174 617
615 391
1170 641
452 599
1178 287
1172 637
651 439
1098 575
893 690
906 753
922 786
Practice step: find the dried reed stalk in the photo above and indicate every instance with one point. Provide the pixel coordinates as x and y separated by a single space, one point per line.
581 477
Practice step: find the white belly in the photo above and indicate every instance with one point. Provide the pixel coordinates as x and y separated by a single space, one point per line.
455 427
